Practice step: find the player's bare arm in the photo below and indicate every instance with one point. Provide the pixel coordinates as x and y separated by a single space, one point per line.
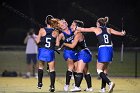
75 41
59 38
112 31
91 29
39 35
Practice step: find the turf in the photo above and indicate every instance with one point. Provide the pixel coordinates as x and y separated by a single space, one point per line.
16 61
21 85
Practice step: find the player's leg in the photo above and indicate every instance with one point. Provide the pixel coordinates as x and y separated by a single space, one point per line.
74 72
84 57
105 55
52 75
69 56
103 84
100 68
79 76
70 66
40 73
87 78
111 84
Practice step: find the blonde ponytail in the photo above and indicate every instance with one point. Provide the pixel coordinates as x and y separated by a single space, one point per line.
106 19
103 21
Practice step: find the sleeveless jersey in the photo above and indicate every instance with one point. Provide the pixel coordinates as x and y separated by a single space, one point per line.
68 38
104 38
105 50
48 41
81 45
69 53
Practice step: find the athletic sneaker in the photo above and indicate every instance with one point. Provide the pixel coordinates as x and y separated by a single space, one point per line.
52 89
111 86
39 85
76 89
88 89
103 90
66 87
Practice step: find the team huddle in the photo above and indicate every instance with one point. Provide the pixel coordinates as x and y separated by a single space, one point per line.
75 52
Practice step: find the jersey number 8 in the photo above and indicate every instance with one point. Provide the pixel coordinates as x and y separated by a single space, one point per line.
106 40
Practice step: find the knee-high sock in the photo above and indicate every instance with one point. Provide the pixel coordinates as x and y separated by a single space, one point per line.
74 74
68 77
103 85
104 77
40 75
88 80
79 78
52 78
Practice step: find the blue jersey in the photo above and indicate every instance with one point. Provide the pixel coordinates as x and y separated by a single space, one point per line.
68 38
69 53
47 46
105 50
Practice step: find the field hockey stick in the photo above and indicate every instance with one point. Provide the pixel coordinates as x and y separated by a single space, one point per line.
122 46
60 47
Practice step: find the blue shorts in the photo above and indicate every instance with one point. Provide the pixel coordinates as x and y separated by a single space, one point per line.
46 55
70 54
105 54
31 58
85 55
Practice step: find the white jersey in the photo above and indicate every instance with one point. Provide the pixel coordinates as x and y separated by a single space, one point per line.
31 47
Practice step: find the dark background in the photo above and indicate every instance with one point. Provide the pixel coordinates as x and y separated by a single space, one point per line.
13 27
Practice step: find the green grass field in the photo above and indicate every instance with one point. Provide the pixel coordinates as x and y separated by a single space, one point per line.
20 85
16 61
123 74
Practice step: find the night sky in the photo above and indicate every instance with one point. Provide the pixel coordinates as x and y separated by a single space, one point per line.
122 14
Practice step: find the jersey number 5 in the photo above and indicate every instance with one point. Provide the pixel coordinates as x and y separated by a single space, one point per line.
48 43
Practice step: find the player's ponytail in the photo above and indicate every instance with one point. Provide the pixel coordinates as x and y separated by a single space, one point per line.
103 21
106 19
54 23
48 19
